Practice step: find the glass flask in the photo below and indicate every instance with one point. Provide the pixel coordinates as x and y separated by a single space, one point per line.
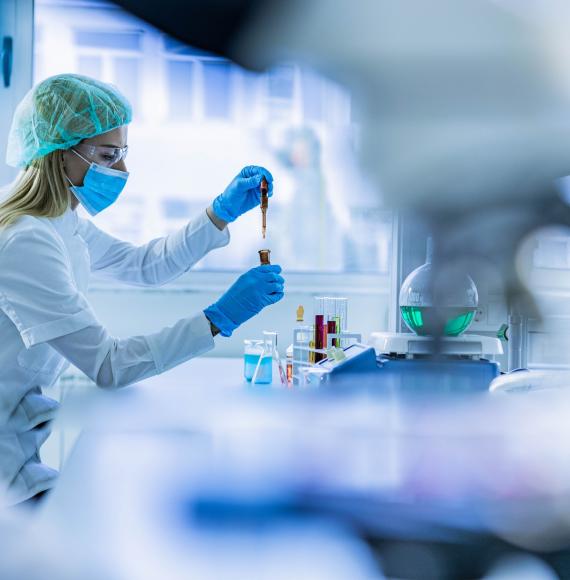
443 306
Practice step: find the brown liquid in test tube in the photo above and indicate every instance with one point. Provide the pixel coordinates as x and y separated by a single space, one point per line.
264 203
264 257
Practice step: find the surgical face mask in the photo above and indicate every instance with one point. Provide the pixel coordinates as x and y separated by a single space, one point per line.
101 186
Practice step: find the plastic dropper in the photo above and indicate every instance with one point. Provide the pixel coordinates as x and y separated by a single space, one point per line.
264 203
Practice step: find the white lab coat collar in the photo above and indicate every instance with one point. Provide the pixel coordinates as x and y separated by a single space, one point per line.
66 224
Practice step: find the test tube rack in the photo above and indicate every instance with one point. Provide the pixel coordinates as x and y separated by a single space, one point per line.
345 338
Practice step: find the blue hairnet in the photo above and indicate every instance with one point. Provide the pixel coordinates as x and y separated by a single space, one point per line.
60 112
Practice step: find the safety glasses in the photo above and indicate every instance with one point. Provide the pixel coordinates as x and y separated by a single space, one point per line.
103 155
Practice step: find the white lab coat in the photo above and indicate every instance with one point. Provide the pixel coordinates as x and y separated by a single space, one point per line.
46 322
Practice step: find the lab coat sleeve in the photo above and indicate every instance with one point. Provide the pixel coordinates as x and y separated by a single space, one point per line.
37 289
112 362
157 262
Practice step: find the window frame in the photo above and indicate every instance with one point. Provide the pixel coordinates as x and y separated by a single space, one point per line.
17 21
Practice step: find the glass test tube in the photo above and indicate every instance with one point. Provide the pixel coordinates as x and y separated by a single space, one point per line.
319 338
302 338
334 311
252 350
263 370
341 313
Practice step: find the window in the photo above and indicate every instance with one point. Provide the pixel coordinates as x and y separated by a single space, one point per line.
108 40
126 75
217 89
312 97
180 83
91 66
15 22
199 119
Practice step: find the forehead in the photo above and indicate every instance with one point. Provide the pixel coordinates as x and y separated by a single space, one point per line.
116 138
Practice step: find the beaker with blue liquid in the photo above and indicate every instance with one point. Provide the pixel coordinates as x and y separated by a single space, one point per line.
253 351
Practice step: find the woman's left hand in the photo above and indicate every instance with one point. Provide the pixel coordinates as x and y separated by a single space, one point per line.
242 194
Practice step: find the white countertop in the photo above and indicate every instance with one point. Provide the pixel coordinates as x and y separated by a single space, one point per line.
223 372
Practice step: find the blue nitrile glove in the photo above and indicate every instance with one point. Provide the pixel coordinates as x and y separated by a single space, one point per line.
243 193
248 295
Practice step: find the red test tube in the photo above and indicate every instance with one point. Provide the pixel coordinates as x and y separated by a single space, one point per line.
331 329
319 331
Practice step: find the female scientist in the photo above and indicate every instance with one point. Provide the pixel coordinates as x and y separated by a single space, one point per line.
69 135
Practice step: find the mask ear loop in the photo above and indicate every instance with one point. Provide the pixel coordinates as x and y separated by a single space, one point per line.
81 156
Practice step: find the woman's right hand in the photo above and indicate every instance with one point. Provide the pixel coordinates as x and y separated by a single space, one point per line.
248 295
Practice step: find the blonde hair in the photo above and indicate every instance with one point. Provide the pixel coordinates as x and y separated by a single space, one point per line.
40 190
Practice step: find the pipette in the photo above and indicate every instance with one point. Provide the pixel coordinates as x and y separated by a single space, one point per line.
264 203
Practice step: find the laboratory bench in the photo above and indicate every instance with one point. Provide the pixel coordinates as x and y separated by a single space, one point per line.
430 490
219 372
